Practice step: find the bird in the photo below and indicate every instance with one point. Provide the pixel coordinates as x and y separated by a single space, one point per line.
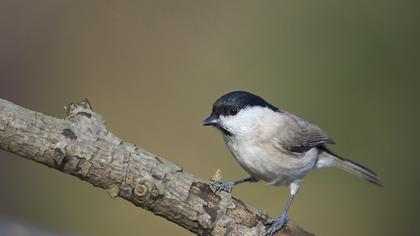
274 146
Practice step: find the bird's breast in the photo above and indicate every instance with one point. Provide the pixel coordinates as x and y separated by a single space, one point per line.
266 162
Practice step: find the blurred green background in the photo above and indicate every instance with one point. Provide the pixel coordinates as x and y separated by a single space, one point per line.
154 68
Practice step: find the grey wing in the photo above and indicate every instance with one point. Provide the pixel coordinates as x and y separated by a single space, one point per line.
298 135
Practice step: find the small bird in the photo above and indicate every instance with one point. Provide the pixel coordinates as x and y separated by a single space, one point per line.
274 146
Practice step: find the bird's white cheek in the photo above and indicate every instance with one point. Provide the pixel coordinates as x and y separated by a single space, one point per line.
227 123
237 124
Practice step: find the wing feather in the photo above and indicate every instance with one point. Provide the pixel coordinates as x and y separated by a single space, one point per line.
299 135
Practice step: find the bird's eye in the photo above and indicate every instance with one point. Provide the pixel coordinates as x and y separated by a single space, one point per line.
233 111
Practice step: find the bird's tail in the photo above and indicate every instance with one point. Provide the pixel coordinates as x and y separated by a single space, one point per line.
350 166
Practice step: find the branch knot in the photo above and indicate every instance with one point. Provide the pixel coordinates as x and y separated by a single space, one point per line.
145 189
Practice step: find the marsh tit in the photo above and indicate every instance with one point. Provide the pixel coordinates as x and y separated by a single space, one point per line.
274 146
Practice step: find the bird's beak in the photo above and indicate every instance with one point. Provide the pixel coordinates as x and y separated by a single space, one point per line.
211 120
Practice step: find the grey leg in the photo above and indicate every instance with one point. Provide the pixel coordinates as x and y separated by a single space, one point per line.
228 186
277 224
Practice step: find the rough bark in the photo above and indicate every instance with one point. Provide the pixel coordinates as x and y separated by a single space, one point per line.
82 146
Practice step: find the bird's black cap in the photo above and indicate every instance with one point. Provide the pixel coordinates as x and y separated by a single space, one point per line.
231 103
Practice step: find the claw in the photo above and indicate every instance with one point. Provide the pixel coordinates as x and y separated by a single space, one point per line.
269 222
276 224
219 186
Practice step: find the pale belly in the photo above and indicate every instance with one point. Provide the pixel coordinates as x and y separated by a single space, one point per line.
270 164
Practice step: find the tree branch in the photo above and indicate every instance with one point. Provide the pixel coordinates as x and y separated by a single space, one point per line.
81 145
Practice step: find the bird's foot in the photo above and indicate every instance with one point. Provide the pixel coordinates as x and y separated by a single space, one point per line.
218 186
276 224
